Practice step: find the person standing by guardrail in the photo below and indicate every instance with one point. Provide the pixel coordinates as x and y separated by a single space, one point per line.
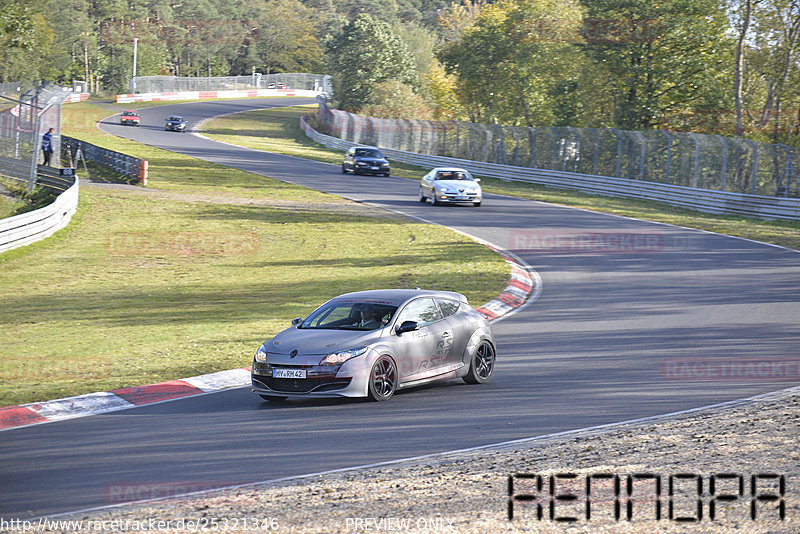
47 146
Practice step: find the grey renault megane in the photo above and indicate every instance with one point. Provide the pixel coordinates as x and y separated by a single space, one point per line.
373 343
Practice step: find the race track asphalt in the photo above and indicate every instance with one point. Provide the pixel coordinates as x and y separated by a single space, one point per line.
624 305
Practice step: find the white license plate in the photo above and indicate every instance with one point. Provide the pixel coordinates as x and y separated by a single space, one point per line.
288 373
462 198
374 168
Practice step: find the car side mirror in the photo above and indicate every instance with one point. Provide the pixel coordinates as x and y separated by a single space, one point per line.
296 321
407 326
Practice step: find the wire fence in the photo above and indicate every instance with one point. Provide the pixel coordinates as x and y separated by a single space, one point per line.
693 160
26 112
292 80
75 150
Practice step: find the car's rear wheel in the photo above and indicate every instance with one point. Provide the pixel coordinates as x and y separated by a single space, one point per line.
481 366
422 197
272 398
382 379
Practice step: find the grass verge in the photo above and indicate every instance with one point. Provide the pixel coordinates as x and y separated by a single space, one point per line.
146 286
9 204
279 131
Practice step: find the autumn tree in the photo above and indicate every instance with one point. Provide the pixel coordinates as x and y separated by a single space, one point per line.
511 60
365 53
661 57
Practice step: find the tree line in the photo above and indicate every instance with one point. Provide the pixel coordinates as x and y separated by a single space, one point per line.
714 66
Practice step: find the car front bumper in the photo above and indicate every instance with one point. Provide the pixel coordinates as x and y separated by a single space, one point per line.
458 198
371 170
320 382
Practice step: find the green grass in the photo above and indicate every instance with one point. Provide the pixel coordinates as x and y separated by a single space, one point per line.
279 131
150 285
15 198
176 172
8 206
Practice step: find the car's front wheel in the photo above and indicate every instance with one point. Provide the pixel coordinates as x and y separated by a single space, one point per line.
382 379
481 366
344 170
477 204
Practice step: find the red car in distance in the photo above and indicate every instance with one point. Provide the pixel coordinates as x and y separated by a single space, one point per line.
129 118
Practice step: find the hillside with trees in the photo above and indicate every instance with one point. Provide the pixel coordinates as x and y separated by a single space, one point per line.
714 66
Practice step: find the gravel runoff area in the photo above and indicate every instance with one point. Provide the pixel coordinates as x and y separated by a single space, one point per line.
468 491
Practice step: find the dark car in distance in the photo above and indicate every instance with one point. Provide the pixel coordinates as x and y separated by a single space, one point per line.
365 160
175 123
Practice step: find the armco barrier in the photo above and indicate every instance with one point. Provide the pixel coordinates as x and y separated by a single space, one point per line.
201 95
698 199
133 168
35 225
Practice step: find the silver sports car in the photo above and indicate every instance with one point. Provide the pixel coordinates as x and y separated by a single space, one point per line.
372 343
446 185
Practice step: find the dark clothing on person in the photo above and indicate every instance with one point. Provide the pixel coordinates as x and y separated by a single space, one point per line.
47 146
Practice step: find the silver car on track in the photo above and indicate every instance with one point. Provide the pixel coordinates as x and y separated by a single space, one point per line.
446 185
373 343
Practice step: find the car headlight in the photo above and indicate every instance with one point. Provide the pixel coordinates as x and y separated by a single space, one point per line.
384 164
338 358
261 355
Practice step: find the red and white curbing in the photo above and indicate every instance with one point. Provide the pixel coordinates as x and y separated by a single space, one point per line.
120 399
513 296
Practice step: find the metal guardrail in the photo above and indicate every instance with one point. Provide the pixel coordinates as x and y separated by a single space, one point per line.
687 159
28 227
51 177
294 80
133 168
54 179
705 200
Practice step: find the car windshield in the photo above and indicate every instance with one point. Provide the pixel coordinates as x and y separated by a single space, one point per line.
131 114
175 119
351 314
453 175
368 153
